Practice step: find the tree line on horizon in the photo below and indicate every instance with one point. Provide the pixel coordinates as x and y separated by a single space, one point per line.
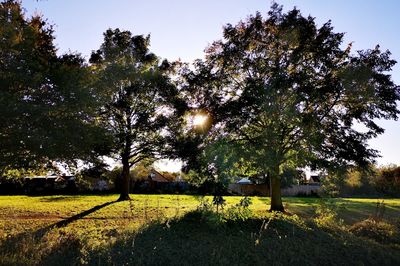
277 93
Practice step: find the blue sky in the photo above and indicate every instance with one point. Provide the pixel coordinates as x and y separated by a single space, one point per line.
184 28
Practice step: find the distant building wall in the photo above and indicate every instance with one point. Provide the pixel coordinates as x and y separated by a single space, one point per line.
296 190
249 189
263 190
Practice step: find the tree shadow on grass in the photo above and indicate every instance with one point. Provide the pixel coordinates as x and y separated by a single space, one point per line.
21 249
198 240
59 198
191 240
80 215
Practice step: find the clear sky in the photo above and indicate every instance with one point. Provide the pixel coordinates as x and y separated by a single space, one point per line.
183 29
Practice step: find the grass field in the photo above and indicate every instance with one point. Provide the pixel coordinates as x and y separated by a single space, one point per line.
169 230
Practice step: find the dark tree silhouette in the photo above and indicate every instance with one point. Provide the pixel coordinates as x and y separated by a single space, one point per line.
286 92
139 99
47 108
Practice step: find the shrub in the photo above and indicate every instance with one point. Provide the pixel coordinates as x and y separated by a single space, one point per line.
83 184
209 212
205 212
239 212
379 211
379 231
332 184
12 180
388 180
326 214
219 202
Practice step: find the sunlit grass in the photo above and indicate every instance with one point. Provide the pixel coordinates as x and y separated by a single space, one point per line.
20 211
32 221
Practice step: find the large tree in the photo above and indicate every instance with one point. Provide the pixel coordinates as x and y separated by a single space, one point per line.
140 99
289 95
46 104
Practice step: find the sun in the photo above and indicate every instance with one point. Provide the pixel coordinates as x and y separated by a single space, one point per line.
199 120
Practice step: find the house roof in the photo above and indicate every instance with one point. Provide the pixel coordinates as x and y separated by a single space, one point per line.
155 176
244 181
315 178
54 177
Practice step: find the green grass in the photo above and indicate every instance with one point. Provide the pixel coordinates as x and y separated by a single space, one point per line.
167 230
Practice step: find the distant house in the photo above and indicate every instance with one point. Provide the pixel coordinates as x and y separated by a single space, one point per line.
245 186
244 181
314 179
157 182
49 183
310 186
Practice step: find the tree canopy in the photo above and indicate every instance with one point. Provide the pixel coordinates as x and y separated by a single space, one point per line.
46 104
289 95
274 95
140 99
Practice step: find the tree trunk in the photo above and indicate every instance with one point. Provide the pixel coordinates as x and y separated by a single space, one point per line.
276 196
125 180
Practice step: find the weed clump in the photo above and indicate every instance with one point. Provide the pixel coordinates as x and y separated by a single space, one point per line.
205 212
240 211
212 213
327 214
380 231
376 228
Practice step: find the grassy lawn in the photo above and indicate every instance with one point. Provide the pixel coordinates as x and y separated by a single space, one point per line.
167 229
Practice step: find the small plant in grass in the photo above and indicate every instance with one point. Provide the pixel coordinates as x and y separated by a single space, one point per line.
205 205
240 211
158 209
219 202
379 211
145 209
207 213
210 212
245 202
131 209
327 214
177 206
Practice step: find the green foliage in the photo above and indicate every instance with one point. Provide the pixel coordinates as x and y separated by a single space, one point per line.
245 202
371 181
327 214
292 176
12 180
213 213
288 94
114 174
218 201
379 211
214 166
388 180
139 99
240 211
137 92
83 184
333 183
18 174
95 171
359 182
47 105
142 169
208 214
379 231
